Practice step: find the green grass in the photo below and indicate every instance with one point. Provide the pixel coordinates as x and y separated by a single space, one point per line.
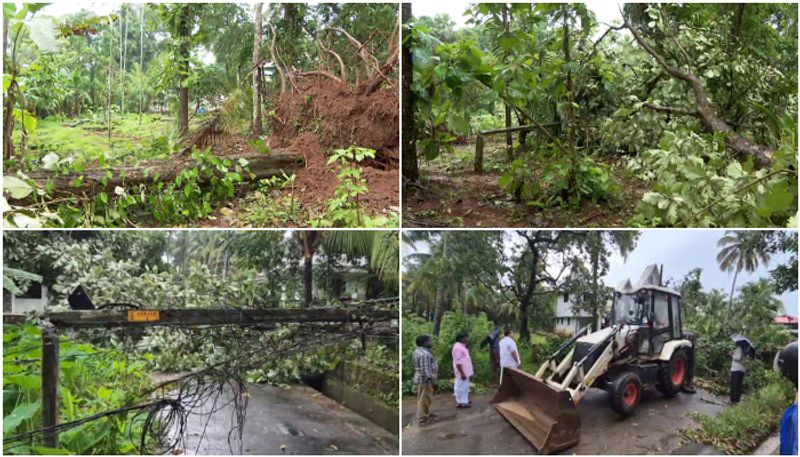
86 138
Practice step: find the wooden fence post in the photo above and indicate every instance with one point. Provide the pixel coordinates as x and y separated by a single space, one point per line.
479 154
50 359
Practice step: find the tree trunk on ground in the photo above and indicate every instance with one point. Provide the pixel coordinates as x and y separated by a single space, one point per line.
258 37
409 148
167 170
184 34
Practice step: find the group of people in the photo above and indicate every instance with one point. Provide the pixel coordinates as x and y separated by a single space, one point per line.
426 369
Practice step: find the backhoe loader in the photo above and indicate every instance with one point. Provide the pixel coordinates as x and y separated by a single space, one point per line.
643 346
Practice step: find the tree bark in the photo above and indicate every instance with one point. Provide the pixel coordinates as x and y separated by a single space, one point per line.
733 288
308 280
166 170
570 111
762 155
258 38
8 108
309 241
509 138
409 148
184 34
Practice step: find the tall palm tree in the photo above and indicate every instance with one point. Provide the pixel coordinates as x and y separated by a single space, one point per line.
741 250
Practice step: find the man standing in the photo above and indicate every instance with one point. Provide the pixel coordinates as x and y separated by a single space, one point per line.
462 367
737 374
509 357
426 370
493 341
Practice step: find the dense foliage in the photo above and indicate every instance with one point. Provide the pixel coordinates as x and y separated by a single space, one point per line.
93 379
695 102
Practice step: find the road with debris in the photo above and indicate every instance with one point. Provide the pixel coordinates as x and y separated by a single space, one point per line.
654 429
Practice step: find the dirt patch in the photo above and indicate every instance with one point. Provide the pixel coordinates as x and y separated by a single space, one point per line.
452 195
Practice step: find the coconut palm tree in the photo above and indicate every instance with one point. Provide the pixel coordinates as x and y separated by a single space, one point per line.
741 250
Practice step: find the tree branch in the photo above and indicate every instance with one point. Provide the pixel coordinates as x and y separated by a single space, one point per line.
671 110
741 146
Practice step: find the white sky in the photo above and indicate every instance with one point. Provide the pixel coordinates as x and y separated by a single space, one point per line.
679 251
605 11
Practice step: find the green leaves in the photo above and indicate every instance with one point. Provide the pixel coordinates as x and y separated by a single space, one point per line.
16 187
20 414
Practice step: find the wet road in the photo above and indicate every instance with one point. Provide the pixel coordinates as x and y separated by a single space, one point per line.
654 429
287 421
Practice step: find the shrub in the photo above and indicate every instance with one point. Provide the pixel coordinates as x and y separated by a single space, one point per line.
739 429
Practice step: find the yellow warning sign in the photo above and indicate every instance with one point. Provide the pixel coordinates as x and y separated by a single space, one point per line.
144 315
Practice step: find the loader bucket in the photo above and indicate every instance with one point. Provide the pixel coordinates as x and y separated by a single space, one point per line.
545 416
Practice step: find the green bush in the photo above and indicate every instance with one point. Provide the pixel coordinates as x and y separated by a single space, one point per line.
739 429
92 380
479 326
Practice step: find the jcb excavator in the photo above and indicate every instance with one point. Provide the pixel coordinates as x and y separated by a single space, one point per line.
643 346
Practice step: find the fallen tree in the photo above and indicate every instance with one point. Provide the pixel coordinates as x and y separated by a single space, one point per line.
95 180
762 155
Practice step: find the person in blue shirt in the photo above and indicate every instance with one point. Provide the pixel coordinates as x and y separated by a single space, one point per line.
786 364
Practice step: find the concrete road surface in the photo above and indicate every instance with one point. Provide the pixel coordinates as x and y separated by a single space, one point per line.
287 421
654 429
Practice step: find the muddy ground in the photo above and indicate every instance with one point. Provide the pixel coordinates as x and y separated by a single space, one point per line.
453 195
296 420
654 429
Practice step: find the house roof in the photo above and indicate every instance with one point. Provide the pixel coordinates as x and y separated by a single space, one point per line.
786 319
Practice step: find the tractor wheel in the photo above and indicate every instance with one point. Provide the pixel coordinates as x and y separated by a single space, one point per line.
672 374
626 390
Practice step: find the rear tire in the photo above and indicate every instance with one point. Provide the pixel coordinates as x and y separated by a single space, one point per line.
672 374
626 391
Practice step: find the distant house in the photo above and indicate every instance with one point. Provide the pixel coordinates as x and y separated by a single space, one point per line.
568 321
32 300
787 321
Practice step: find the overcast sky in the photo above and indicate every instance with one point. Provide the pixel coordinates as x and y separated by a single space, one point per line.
605 11
680 251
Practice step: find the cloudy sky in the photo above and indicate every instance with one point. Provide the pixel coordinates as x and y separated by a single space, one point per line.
680 251
605 11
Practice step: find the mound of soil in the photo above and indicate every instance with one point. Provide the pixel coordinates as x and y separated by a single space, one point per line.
339 115
325 115
316 181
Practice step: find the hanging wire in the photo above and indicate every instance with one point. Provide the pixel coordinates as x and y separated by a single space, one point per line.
216 386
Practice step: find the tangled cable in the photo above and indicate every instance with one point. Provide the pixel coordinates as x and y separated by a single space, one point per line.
215 387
